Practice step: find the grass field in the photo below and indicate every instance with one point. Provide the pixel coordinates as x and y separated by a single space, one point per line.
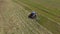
14 17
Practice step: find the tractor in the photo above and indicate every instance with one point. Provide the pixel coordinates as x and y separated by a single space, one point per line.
32 15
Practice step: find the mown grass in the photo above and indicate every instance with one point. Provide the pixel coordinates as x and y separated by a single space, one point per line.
50 25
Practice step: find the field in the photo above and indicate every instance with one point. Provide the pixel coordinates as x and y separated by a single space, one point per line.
14 17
